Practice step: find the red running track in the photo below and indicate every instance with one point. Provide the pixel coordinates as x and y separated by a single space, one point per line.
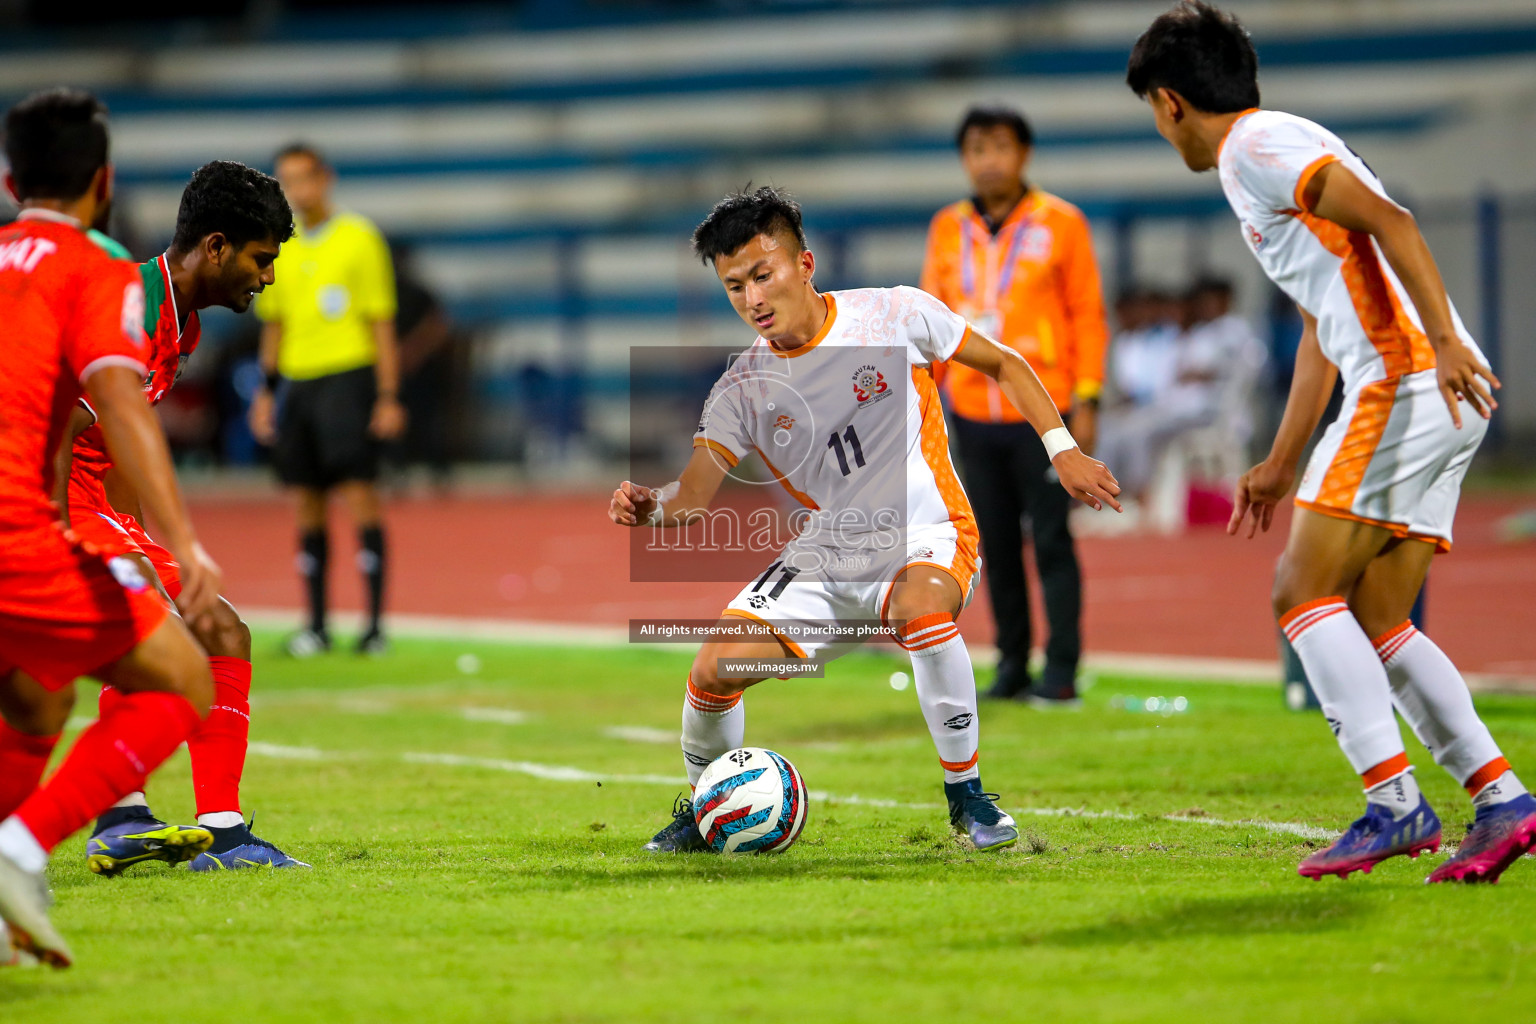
556 558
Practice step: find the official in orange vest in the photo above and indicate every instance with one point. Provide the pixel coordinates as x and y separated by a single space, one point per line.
1018 264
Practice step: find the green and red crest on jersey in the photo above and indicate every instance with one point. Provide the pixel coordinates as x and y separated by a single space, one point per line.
170 342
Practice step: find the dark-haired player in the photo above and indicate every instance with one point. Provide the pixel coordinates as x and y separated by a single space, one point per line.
74 318
1379 493
836 396
230 225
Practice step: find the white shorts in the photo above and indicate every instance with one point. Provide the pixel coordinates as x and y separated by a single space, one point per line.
812 595
1394 458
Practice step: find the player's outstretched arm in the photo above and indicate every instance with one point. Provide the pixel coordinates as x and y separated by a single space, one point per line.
1336 194
80 420
677 504
1264 486
1086 479
138 450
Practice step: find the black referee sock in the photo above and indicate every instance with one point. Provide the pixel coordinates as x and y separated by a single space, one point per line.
370 559
314 552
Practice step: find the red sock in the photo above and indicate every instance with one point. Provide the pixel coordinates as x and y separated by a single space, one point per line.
22 760
218 746
110 760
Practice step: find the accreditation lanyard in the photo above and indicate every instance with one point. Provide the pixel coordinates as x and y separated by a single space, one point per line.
1004 275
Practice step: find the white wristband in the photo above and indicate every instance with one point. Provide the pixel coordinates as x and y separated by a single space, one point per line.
1057 441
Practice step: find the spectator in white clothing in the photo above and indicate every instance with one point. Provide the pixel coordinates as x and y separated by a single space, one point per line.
1216 362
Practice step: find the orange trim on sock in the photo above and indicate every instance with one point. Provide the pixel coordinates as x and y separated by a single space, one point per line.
1301 618
933 641
961 766
1486 774
923 622
1393 640
710 703
1380 773
1401 627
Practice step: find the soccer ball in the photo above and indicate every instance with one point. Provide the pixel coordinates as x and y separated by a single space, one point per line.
750 801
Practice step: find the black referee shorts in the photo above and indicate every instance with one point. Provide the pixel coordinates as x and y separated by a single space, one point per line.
322 430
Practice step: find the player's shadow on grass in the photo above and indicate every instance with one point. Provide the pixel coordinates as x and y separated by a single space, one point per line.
1295 913
894 865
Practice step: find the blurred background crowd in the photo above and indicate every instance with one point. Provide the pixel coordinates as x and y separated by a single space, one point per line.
537 167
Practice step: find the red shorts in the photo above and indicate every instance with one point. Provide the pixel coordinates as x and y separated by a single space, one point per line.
118 533
68 609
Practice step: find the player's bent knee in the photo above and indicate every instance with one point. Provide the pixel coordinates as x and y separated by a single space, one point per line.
224 634
705 673
923 590
1289 590
914 603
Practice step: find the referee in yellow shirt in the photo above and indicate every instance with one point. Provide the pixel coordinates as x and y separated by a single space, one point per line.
330 332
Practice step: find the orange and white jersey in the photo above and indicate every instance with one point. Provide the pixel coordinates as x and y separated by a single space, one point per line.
851 423
1366 323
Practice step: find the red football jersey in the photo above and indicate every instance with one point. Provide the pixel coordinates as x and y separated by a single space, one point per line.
170 343
69 309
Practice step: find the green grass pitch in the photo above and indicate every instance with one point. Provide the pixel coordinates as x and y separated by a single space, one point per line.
461 875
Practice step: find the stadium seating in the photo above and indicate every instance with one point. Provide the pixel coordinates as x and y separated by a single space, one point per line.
547 180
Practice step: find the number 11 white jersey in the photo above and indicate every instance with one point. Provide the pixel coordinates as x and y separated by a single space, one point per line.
851 422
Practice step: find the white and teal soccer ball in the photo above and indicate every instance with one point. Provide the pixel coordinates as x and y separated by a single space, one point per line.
750 801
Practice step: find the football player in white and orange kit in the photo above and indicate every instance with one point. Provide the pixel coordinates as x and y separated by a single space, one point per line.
836 396
1378 496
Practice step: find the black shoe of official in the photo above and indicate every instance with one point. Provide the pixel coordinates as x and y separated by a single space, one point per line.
1057 688
307 643
1012 680
373 644
682 835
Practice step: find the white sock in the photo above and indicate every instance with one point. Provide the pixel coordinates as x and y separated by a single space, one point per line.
711 726
132 800
1399 794
1432 696
1501 790
946 691
1348 678
18 843
220 819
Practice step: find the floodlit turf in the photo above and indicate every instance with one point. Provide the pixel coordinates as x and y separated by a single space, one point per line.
490 886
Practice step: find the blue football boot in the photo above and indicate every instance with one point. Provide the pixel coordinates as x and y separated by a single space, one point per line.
236 847
972 811
126 836
1499 836
681 835
1373 838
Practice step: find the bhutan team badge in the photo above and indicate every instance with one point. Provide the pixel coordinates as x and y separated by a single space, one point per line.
869 384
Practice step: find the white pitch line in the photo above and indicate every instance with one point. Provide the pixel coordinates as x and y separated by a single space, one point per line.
551 772
501 716
640 734
564 773
287 753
